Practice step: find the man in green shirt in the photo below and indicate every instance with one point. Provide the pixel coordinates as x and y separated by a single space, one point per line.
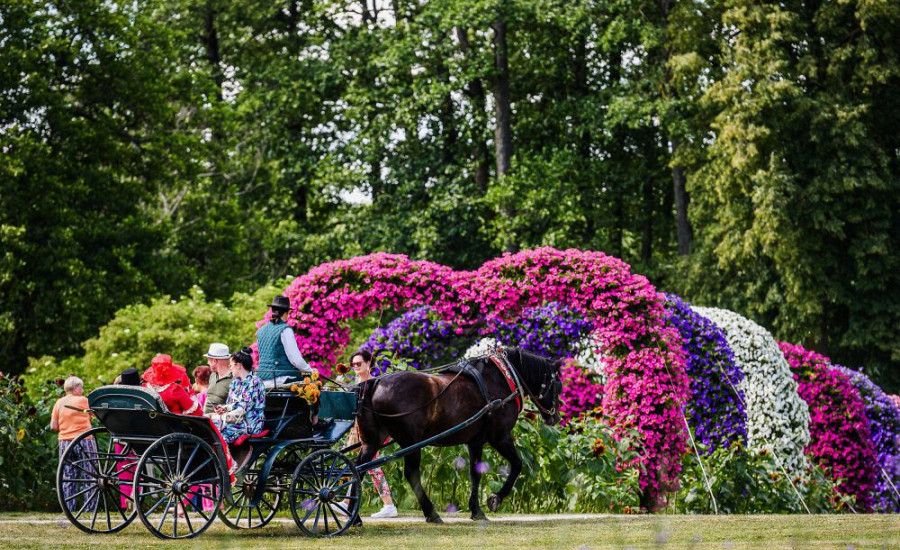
220 379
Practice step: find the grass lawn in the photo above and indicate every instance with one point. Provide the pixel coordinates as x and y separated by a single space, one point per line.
677 532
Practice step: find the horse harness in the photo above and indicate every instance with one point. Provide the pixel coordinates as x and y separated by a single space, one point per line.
518 390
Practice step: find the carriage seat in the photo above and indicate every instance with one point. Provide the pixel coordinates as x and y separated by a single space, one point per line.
246 437
135 398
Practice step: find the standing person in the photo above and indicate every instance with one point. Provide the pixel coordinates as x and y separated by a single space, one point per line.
220 378
166 380
361 362
70 423
201 376
280 360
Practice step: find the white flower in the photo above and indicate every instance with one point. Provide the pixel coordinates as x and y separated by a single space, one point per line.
482 347
777 418
589 355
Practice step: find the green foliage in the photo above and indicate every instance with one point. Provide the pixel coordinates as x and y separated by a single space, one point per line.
182 328
574 469
751 482
28 449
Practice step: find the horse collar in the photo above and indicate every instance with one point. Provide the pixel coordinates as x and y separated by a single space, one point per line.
509 374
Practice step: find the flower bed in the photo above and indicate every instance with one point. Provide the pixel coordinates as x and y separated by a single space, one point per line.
716 410
884 425
776 416
840 440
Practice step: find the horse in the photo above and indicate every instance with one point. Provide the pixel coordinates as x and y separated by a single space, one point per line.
410 407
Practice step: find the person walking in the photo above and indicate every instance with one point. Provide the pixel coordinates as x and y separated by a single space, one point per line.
71 419
361 362
218 358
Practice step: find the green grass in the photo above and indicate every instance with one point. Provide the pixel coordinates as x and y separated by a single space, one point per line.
675 532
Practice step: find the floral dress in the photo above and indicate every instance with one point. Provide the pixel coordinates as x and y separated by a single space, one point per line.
248 394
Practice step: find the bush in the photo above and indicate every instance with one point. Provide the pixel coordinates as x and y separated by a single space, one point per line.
28 453
749 481
183 328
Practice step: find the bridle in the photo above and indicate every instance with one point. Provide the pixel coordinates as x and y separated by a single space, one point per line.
550 381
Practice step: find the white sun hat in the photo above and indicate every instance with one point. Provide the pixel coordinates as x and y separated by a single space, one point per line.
217 351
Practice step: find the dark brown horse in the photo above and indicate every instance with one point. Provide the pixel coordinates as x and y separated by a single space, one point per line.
411 407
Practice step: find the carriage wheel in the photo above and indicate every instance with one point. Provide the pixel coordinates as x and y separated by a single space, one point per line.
174 477
97 476
325 494
240 513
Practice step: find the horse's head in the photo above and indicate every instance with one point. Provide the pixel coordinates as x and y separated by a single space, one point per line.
542 378
550 400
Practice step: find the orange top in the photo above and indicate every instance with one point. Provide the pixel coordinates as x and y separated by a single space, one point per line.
72 423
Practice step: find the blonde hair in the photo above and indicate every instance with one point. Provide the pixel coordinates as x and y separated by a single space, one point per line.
71 383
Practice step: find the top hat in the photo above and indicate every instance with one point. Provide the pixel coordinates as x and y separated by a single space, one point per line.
130 377
217 351
281 302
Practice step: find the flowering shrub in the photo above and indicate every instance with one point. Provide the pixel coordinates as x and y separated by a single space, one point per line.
419 336
715 411
552 330
581 391
330 295
776 416
884 424
646 385
840 440
29 449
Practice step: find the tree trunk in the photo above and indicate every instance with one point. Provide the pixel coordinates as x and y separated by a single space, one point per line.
682 224
647 233
211 43
476 93
502 101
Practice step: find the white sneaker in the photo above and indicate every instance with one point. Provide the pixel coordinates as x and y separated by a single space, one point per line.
389 511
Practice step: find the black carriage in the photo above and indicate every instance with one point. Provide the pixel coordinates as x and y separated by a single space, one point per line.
171 471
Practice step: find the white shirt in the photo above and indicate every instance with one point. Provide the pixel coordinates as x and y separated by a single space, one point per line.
292 351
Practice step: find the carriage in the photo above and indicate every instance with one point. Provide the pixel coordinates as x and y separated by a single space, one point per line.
171 471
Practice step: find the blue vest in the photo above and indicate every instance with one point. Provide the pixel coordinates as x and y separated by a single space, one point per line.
273 361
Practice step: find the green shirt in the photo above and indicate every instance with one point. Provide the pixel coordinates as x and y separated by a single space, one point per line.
217 394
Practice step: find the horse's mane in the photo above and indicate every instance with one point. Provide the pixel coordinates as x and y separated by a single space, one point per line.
531 365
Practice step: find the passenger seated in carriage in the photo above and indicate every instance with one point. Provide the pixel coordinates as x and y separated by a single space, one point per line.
166 380
244 411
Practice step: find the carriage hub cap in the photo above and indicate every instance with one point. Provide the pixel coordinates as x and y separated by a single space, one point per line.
179 487
326 494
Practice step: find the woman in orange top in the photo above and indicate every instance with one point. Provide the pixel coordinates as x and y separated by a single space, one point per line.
71 419
163 377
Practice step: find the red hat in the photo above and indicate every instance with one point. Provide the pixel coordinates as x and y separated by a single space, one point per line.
161 371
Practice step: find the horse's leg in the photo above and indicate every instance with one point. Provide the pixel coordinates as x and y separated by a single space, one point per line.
413 475
475 452
507 450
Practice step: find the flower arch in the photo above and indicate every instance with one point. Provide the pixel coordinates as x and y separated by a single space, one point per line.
840 438
776 416
646 385
716 409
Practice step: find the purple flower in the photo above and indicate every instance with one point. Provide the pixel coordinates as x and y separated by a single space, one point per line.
482 467
459 463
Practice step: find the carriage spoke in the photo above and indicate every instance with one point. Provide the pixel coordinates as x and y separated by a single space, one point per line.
83 491
87 501
199 510
106 508
187 515
96 511
165 513
190 459
155 506
198 468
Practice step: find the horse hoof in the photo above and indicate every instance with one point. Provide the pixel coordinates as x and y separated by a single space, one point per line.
434 518
493 502
479 517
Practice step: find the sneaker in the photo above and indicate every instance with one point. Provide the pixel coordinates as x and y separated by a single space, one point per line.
389 511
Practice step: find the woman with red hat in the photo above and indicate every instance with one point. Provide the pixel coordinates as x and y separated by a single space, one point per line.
163 377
